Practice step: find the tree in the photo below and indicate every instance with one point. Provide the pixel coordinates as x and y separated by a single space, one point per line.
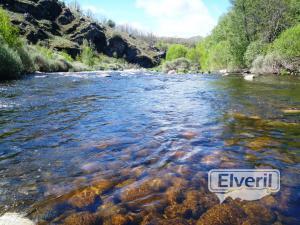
111 23
176 51
193 55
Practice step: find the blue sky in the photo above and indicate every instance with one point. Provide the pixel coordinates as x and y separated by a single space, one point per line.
176 18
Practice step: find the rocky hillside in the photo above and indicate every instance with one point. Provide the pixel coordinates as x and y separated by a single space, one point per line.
51 23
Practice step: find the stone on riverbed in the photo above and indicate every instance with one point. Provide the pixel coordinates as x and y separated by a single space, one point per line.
136 191
83 218
238 213
83 198
189 135
224 214
194 205
259 143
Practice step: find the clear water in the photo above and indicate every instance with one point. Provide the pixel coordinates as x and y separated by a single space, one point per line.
140 135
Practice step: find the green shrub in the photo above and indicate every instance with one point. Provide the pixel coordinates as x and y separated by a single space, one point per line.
88 54
176 51
219 56
193 55
288 43
8 31
272 63
78 66
203 48
66 56
162 46
181 65
257 65
283 54
111 23
27 61
41 63
10 63
255 49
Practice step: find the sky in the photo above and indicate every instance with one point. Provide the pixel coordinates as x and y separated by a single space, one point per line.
167 18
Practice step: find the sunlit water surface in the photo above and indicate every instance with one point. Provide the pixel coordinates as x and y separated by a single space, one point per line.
135 148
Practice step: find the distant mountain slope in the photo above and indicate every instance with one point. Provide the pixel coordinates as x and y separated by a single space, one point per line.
53 24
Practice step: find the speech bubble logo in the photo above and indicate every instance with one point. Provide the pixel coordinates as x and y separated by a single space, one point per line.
245 184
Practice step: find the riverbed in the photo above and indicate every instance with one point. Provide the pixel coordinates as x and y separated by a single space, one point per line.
135 148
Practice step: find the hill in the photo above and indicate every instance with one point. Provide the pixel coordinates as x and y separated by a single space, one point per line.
52 24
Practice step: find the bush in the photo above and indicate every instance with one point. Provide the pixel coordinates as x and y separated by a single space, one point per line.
257 65
111 23
46 60
66 56
8 32
176 51
27 61
272 63
219 56
10 63
193 55
288 43
283 55
255 49
181 65
88 54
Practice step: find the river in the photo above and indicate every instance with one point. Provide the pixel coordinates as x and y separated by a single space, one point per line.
135 148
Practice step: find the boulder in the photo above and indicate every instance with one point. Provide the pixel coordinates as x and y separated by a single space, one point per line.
83 218
48 9
92 32
66 17
116 47
34 36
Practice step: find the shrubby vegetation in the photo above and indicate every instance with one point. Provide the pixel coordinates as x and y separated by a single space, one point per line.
262 35
176 51
282 56
180 65
14 58
181 59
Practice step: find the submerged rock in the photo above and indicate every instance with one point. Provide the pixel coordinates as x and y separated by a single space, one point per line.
258 214
238 213
83 198
102 185
189 135
83 218
261 142
224 214
195 203
118 219
159 221
141 190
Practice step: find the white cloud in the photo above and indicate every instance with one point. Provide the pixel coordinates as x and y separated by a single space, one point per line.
180 18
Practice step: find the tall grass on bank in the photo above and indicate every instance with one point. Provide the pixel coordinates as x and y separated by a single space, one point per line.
14 61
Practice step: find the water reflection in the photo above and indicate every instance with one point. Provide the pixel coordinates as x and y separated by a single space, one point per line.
135 149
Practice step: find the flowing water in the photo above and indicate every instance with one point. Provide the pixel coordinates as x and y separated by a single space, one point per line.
133 148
